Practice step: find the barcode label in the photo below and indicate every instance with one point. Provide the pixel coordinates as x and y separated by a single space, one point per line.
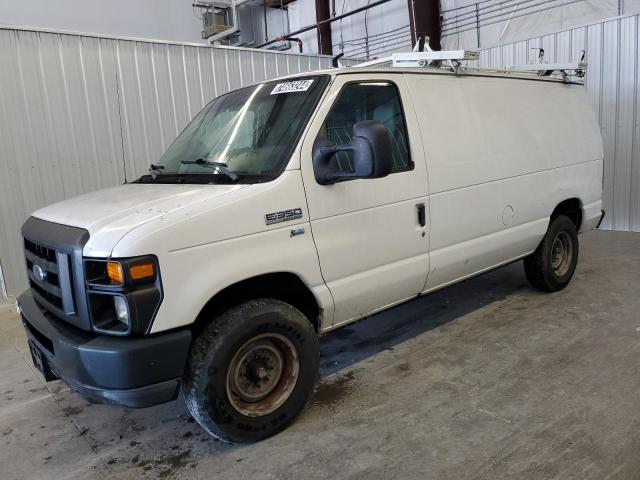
290 87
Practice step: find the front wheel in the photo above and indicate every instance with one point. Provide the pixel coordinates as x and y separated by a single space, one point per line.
252 370
551 267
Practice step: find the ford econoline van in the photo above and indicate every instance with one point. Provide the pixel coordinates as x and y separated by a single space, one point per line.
291 208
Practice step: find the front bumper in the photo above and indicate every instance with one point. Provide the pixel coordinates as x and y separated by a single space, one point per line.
133 372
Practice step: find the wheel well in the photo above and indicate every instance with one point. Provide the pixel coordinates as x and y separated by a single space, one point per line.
284 286
572 208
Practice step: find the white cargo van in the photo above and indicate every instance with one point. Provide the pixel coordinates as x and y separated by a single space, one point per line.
293 207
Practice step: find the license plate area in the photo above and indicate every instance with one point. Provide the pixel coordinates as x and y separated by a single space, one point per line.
40 362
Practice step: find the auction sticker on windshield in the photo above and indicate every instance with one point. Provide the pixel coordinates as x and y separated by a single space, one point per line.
290 87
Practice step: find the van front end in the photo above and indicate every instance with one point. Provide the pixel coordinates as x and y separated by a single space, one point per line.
87 320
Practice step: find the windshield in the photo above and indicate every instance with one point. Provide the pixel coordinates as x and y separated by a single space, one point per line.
244 136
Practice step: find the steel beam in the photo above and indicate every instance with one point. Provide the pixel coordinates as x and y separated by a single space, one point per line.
424 15
323 12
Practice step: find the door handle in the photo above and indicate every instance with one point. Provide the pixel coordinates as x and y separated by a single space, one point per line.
422 214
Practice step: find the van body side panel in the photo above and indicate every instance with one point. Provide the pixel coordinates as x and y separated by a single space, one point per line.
209 248
372 250
501 155
477 247
591 216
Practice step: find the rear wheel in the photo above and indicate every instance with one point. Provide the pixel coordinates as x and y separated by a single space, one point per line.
551 267
252 370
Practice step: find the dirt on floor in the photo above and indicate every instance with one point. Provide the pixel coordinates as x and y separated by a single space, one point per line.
483 380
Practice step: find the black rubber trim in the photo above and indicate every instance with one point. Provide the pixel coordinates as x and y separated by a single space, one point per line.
601 219
142 397
128 371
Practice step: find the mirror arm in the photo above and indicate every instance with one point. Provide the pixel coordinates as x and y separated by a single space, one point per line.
343 148
329 150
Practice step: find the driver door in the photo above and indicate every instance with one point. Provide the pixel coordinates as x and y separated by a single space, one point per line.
371 234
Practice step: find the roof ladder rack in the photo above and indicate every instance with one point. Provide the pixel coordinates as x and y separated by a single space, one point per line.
424 58
577 69
453 59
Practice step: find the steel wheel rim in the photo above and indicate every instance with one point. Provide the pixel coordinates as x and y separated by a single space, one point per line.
561 254
262 374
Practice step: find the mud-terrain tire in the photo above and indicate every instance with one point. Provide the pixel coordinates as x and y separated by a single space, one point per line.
551 267
251 371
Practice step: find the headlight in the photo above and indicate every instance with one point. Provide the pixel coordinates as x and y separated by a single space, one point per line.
124 294
122 310
109 313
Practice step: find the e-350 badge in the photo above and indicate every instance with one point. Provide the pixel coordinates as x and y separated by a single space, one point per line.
283 216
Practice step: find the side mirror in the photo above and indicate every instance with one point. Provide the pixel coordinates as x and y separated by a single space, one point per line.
371 154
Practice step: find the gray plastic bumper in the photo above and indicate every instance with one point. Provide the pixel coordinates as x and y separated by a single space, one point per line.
134 372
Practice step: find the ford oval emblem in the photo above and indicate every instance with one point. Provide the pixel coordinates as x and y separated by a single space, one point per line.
39 273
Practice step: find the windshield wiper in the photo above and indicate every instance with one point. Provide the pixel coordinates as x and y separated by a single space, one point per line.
155 170
220 167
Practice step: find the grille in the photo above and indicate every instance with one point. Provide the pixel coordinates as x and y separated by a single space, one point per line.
50 278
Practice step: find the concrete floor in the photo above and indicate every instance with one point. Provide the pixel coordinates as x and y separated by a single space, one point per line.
486 379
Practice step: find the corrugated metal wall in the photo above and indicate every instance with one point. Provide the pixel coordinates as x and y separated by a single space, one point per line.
79 112
3 293
612 53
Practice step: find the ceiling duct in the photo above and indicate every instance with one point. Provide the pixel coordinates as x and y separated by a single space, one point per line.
244 22
218 19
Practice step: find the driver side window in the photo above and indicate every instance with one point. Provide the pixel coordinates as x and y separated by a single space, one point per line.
367 101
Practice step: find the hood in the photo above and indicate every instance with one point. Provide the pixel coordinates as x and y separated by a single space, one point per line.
110 214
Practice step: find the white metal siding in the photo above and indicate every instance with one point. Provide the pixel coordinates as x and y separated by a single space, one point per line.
3 294
79 111
612 49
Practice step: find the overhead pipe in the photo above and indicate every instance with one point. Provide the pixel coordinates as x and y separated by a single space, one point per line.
282 38
335 61
328 21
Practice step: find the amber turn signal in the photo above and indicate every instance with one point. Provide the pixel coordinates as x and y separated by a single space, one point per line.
141 272
115 273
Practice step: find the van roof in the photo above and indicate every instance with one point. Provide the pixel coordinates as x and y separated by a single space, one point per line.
464 71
